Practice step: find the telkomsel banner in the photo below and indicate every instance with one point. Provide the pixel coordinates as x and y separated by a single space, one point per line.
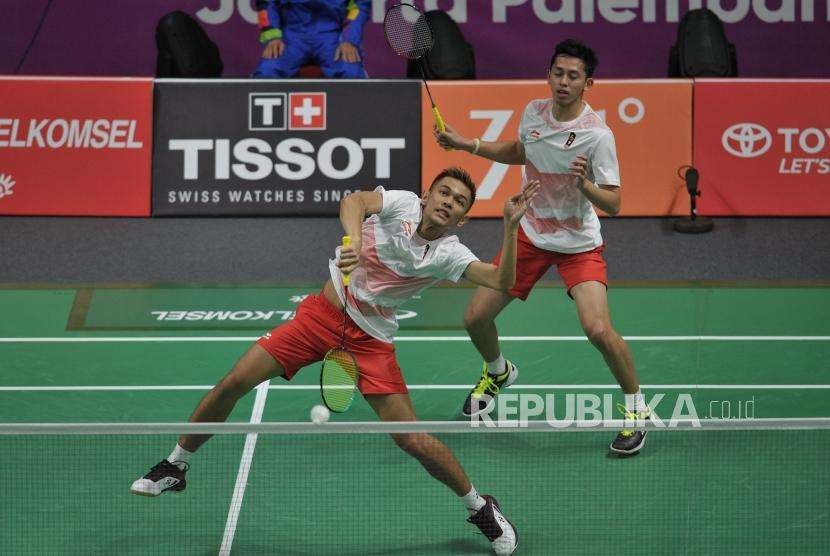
231 308
75 147
281 147
651 121
763 147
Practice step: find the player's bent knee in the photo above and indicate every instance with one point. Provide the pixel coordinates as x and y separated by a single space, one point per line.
404 441
474 319
236 383
413 444
599 333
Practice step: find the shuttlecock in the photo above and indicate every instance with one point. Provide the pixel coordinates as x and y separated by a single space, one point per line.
319 414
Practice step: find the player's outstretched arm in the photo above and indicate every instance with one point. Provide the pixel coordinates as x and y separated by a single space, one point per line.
506 152
503 276
354 208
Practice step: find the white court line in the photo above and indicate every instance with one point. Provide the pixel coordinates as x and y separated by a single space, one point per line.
242 474
139 339
162 387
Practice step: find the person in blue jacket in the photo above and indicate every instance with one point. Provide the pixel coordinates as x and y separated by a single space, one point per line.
326 33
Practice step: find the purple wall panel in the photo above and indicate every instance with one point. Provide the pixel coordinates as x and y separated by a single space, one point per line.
103 37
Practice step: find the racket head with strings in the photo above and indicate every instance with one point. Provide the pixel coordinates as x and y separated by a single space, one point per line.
407 31
338 379
338 375
409 34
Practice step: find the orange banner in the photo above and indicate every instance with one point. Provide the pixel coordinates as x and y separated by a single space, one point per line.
651 121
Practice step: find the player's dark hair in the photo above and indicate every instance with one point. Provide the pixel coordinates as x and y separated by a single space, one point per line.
461 175
576 49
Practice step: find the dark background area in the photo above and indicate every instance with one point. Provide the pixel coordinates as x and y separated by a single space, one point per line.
239 250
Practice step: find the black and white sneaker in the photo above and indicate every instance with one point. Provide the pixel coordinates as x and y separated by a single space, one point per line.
629 442
481 397
497 528
162 477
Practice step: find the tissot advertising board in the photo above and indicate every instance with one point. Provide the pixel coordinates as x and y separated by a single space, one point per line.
245 147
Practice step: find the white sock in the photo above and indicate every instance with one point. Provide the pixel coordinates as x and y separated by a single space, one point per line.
179 455
496 367
635 401
473 501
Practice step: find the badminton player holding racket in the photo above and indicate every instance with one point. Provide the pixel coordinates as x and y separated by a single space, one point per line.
567 147
398 248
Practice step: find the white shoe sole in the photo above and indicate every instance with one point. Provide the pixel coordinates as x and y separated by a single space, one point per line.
145 487
505 546
143 493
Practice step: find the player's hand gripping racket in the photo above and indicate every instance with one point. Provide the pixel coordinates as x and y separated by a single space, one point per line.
409 34
338 377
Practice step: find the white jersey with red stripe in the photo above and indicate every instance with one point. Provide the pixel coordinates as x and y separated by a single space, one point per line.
561 218
396 264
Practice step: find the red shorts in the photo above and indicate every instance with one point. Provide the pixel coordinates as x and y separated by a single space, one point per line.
315 329
574 268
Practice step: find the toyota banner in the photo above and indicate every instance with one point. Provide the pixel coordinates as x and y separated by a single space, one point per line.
763 147
235 147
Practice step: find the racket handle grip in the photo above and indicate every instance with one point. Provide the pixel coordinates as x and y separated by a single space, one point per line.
439 124
439 121
346 242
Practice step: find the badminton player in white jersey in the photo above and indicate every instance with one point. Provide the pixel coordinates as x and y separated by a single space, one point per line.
567 147
399 247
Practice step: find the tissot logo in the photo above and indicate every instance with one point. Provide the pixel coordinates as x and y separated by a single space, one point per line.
746 140
281 111
266 111
307 111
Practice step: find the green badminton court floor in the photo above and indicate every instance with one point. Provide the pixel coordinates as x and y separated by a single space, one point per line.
148 354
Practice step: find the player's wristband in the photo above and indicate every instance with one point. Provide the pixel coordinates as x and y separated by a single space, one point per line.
477 145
